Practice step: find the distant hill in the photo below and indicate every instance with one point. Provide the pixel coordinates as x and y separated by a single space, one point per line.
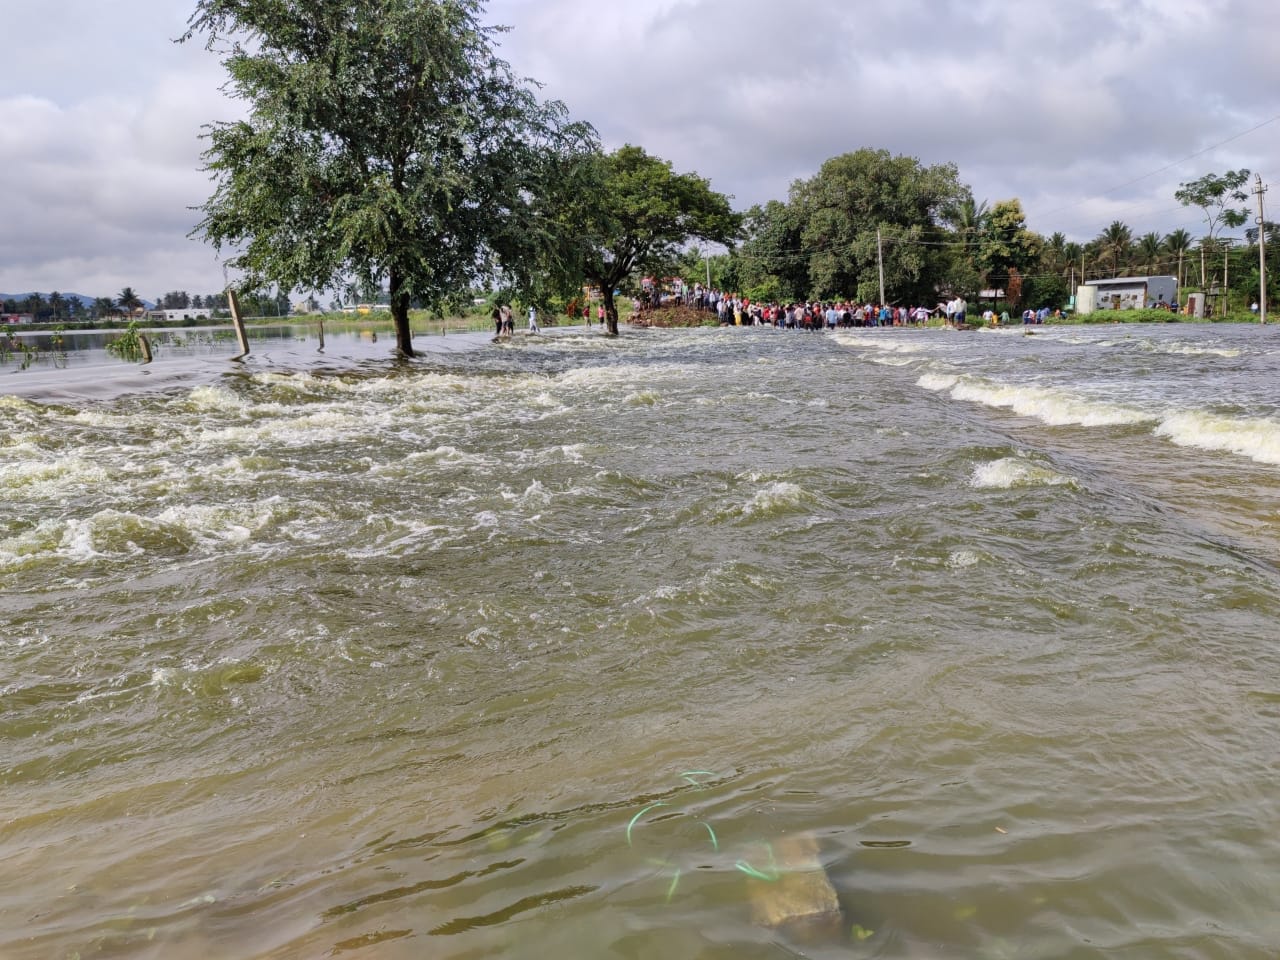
84 301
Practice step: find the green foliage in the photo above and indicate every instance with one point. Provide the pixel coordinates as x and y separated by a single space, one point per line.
823 241
772 258
385 140
857 193
1115 245
1212 193
127 346
631 213
1005 244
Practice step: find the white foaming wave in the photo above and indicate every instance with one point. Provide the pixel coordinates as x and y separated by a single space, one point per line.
565 453
1052 406
1255 438
44 479
407 536
641 398
892 360
10 402
104 420
534 493
777 497
218 678
118 534
446 455
960 559
485 520
1187 350
938 382
216 399
222 524
627 375
874 343
31 545
320 426
1010 472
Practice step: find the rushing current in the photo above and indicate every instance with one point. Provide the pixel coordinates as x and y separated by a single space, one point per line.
543 649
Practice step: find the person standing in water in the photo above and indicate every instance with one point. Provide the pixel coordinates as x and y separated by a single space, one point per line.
533 320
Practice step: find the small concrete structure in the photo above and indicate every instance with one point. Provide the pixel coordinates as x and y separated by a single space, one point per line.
1127 293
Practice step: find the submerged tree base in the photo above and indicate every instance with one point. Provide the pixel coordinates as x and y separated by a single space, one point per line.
673 317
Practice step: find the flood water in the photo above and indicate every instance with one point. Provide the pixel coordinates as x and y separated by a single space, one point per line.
542 649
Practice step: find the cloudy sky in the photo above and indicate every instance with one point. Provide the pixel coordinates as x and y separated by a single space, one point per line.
1088 111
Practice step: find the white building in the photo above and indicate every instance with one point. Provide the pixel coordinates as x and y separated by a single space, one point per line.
1127 293
177 316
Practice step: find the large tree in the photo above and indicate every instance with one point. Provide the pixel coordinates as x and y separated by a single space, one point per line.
386 142
1005 245
1213 194
771 262
858 195
634 213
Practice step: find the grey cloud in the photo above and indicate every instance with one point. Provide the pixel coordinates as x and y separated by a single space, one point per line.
1055 103
1052 102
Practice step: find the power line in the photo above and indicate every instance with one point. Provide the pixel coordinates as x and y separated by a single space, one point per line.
1170 166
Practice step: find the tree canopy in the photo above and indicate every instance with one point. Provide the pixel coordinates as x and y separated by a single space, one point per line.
825 237
634 213
386 141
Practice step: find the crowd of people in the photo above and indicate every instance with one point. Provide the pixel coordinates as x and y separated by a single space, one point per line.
732 310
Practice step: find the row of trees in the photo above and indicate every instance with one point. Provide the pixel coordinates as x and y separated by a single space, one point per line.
866 210
57 308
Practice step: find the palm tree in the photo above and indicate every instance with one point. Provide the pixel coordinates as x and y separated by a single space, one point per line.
1179 242
1072 253
1148 253
1116 243
1054 257
971 220
128 301
102 307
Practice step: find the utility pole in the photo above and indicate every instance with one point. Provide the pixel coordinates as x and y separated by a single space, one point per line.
1226 276
880 258
1259 189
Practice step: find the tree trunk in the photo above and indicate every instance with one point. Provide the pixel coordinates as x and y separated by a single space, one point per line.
610 309
400 316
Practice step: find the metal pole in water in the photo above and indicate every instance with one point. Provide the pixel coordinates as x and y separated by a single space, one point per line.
1259 189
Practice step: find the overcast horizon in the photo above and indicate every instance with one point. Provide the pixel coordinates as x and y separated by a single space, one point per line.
1087 112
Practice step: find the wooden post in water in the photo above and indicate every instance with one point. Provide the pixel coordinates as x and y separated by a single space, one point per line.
238 322
321 326
145 344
